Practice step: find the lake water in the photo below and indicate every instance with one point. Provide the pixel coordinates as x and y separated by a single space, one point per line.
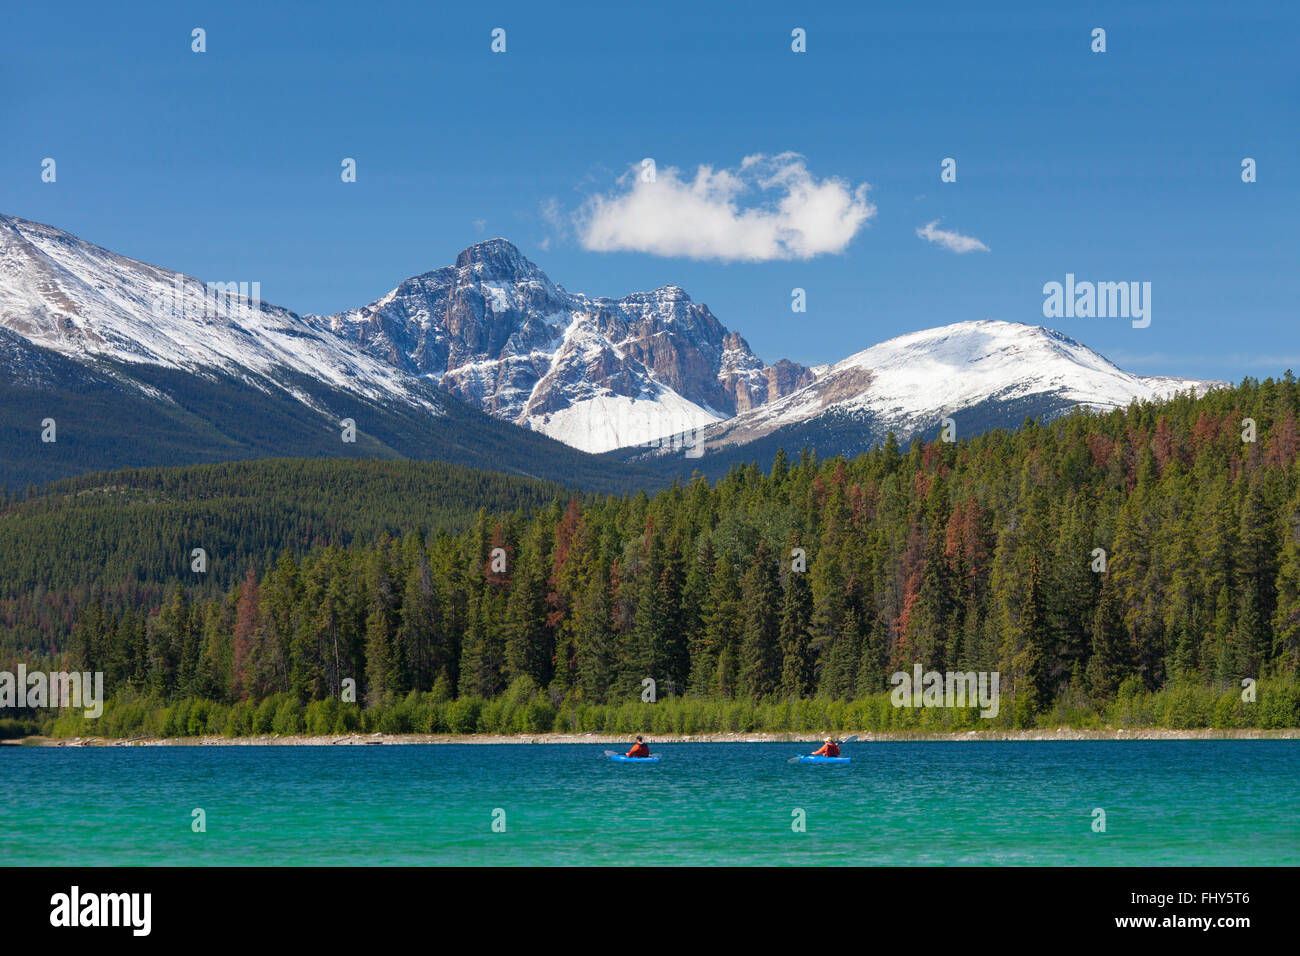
1204 802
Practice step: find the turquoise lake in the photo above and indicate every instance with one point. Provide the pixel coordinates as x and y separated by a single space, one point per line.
1204 802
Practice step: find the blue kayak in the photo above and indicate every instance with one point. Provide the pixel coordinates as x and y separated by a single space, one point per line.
811 759
623 758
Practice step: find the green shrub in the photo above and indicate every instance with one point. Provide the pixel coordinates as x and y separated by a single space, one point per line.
239 723
288 718
264 716
539 717
463 717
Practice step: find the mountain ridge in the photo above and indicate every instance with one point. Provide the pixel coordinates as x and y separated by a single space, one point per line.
595 372
978 374
139 366
637 377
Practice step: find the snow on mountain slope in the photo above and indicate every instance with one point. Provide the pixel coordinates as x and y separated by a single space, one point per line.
496 332
615 421
493 330
910 382
63 293
596 373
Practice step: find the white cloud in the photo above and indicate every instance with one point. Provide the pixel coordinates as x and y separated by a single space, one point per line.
794 215
549 209
952 241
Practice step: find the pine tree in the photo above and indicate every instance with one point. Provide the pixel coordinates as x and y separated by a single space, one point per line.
379 659
760 652
1032 667
796 615
644 649
593 636
528 641
839 672
1111 660
420 634
714 668
934 615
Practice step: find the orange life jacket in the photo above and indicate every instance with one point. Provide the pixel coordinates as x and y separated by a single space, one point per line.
831 749
639 750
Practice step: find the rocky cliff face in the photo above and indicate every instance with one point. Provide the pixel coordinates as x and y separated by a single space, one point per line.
493 330
597 373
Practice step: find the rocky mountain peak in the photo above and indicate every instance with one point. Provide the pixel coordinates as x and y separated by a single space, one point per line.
595 372
495 260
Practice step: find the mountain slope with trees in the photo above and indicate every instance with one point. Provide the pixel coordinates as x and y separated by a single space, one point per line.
982 554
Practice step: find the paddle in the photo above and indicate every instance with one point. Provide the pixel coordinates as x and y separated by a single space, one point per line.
847 740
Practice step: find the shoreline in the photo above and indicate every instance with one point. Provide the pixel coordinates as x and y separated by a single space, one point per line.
376 739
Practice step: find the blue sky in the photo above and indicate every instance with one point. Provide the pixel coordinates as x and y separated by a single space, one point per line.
1115 166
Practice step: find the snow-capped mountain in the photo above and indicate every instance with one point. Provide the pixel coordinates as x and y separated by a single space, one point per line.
597 374
981 374
217 373
137 365
64 294
491 330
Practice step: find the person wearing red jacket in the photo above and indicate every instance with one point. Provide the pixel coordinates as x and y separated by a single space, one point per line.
828 749
639 749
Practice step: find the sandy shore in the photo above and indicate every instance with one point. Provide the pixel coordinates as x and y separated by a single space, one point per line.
355 740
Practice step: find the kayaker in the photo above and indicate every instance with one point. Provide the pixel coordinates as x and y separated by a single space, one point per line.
639 749
828 749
